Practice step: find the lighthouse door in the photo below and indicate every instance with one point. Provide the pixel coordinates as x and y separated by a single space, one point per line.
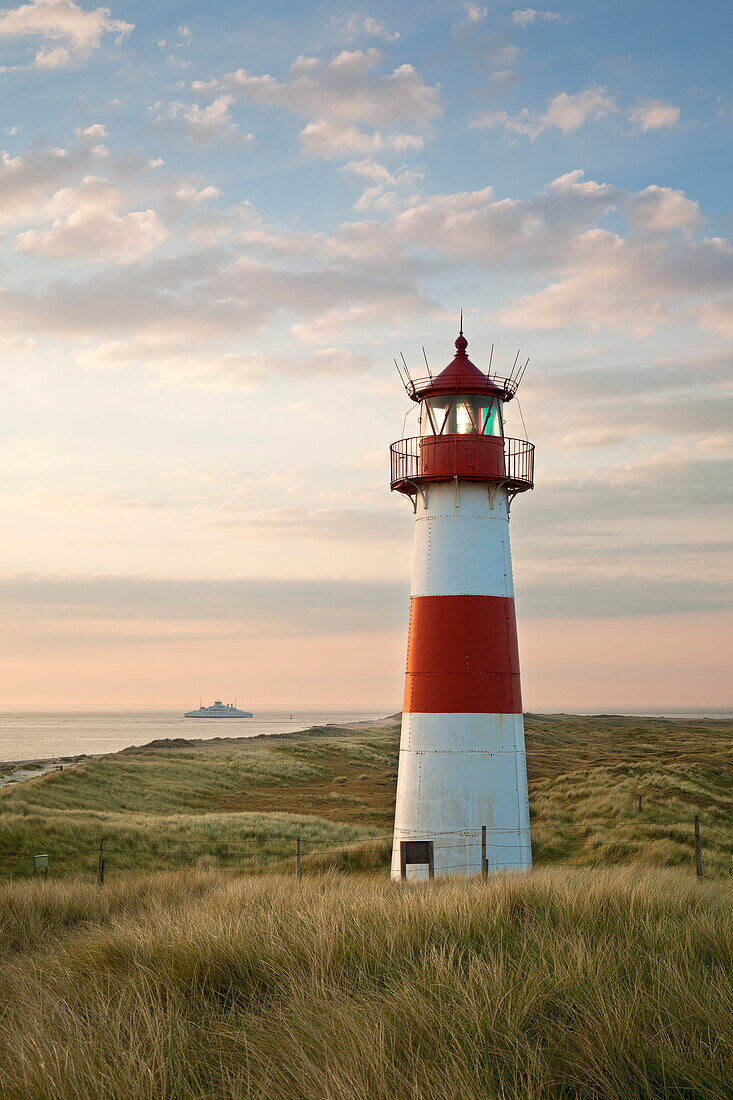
417 851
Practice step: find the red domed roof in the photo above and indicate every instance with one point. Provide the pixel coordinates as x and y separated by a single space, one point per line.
460 376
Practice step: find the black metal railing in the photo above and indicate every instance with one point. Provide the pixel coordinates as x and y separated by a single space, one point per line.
508 386
407 466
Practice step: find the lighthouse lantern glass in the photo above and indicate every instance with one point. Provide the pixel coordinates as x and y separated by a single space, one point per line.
461 414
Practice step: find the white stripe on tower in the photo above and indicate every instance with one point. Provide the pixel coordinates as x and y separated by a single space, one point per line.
462 759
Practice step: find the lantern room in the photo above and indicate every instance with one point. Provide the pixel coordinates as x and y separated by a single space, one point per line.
462 430
461 400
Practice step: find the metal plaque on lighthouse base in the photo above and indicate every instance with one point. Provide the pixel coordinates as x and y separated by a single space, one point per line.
462 761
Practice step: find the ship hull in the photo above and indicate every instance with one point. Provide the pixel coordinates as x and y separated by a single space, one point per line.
243 714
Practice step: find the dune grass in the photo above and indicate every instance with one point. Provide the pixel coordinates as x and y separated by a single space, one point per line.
605 974
239 803
194 985
239 841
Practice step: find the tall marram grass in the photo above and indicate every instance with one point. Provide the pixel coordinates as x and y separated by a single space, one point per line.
559 984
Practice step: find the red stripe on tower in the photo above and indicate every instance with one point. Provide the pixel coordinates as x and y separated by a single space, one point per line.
462 656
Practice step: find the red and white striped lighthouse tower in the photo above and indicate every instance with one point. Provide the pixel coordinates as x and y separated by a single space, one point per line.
462 767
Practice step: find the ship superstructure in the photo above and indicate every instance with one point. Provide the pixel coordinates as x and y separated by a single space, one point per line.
218 710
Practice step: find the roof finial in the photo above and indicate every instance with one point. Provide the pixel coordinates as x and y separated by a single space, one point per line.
461 343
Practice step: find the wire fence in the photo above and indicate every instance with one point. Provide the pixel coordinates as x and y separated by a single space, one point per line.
40 864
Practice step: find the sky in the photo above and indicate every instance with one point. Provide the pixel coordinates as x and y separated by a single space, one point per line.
218 226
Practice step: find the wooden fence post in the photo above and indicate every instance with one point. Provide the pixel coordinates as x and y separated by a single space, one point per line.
298 869
484 860
698 849
639 803
100 864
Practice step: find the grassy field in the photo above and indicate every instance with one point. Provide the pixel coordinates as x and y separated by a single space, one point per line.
239 804
201 971
194 985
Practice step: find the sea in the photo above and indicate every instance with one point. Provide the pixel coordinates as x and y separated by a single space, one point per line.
49 735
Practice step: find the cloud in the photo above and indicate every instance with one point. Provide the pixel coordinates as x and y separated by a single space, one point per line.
661 484
525 16
26 181
350 27
610 280
565 112
657 273
655 114
189 193
77 31
311 288
88 226
270 241
592 386
97 499
662 210
501 81
344 89
255 606
384 185
717 314
534 232
369 272
169 294
331 140
475 13
343 524
94 133
602 580
203 124
620 403
98 236
185 37
230 371
208 295
352 109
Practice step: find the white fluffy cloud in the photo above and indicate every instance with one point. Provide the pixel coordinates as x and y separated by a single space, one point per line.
88 226
203 124
661 210
366 273
350 27
341 97
345 89
335 140
26 181
565 112
656 274
639 285
71 31
384 185
655 114
532 232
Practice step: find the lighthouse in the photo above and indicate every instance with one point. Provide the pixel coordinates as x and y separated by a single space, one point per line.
462 804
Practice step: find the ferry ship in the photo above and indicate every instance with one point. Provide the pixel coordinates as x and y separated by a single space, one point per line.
218 710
